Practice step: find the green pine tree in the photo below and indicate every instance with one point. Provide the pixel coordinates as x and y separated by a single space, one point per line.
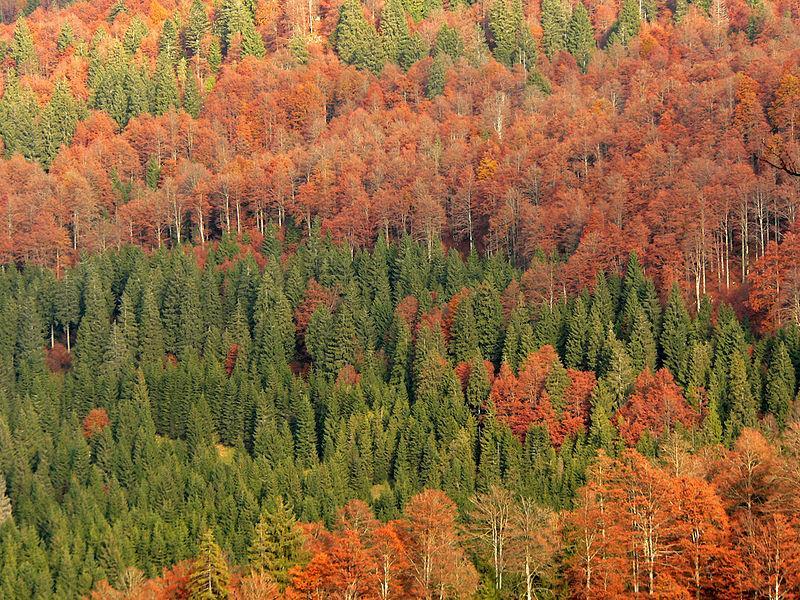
628 23
554 27
355 39
580 36
277 543
209 577
781 380
23 49
394 29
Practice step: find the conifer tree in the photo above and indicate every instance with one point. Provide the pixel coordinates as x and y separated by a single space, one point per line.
394 29
355 39
66 37
18 114
675 334
57 122
137 30
437 77
448 41
277 542
488 321
164 94
641 344
781 381
197 26
168 45
577 335
742 407
209 577
554 27
23 49
303 428
628 23
580 36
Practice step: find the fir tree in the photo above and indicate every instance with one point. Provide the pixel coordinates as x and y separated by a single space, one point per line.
580 36
577 335
448 41
742 407
277 543
23 49
355 39
554 27
627 25
168 46
164 94
57 123
437 77
209 577
675 334
66 37
394 29
781 381
197 26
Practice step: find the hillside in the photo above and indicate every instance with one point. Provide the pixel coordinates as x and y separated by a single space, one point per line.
399 299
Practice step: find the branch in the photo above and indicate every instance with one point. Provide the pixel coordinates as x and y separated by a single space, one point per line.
782 166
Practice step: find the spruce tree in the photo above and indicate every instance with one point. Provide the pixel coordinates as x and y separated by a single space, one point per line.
66 37
781 381
448 41
168 45
437 77
57 122
394 29
277 543
554 27
164 91
23 49
742 407
209 577
488 321
197 26
577 335
355 39
675 335
580 36
628 23
5 503
641 343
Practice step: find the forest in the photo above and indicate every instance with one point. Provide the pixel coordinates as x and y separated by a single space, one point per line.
397 299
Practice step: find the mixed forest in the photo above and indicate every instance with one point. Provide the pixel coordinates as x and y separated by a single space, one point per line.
396 299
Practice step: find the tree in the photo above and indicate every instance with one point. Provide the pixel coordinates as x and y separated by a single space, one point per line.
277 543
580 36
23 49
742 407
394 29
628 23
555 22
513 42
490 517
438 562
355 39
781 381
197 26
532 543
209 577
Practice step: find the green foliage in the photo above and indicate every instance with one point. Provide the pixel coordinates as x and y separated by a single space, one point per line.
555 24
437 77
355 39
513 43
23 49
580 36
209 577
448 41
628 23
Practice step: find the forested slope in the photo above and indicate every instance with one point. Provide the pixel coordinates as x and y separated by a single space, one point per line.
218 392
402 299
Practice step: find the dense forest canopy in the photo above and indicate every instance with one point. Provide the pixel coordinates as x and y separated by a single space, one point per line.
399 299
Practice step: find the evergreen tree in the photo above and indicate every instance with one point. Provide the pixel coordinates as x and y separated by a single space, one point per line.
164 94
627 25
554 27
781 381
742 407
57 123
18 115
448 41
168 45
394 29
355 39
303 428
464 333
23 49
437 77
137 30
192 99
209 577
577 335
488 321
513 42
66 37
277 543
197 26
675 335
580 36
641 344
